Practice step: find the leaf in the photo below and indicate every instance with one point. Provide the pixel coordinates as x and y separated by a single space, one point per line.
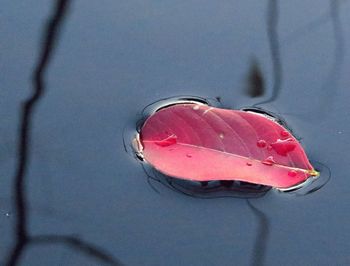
201 143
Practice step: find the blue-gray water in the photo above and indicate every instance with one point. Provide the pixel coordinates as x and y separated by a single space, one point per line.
110 60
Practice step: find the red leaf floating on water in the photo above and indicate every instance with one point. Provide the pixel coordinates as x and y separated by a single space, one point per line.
202 143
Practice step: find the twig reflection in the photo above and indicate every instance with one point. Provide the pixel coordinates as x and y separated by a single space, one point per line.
262 235
22 237
255 80
330 86
272 32
312 25
77 244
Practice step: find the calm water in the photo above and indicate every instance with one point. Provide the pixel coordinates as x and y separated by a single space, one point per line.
88 202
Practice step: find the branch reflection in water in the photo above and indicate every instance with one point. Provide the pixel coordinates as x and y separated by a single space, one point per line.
314 24
255 86
22 237
331 86
261 239
272 17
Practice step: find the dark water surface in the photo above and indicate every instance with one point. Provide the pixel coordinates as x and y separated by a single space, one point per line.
82 200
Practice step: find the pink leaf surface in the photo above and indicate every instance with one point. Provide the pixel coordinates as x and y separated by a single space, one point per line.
202 143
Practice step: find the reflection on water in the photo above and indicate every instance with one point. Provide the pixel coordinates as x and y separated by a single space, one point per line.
262 235
22 237
315 23
330 86
255 80
150 53
272 17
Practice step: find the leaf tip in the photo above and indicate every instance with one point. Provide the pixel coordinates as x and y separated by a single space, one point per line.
314 173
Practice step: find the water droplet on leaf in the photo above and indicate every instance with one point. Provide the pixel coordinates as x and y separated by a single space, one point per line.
188 155
171 140
285 134
292 173
261 143
221 135
268 161
282 147
249 163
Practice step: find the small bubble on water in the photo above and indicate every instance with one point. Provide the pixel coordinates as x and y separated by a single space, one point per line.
7 214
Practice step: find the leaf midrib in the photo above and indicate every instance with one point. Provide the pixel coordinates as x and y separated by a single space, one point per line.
307 171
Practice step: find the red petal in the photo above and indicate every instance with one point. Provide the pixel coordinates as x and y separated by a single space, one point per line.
202 143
